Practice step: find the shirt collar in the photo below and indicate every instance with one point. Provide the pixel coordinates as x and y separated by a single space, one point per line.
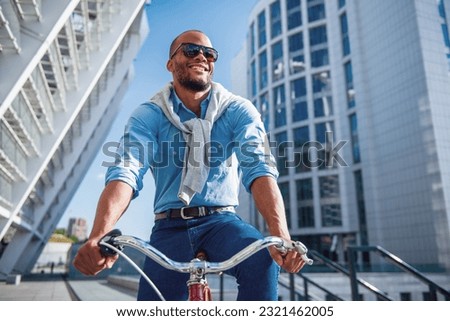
177 103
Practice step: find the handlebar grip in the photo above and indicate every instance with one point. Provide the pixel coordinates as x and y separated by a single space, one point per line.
109 238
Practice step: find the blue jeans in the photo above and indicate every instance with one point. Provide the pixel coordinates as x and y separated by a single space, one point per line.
220 236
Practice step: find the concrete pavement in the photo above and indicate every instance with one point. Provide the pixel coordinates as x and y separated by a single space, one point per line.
56 288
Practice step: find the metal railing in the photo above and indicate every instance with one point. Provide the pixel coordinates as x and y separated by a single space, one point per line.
338 268
305 295
434 288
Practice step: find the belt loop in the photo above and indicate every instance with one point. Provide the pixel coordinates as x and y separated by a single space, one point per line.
168 214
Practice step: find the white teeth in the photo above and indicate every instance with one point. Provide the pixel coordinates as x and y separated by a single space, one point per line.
199 68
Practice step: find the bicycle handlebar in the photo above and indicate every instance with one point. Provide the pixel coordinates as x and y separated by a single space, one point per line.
114 242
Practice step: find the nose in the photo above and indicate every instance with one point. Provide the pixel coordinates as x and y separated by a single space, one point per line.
201 54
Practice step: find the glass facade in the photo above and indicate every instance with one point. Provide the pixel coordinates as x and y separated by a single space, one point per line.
299 100
344 33
294 14
275 19
279 106
277 61
349 84
301 149
282 153
262 38
319 47
323 68
305 206
294 91
316 10
445 29
285 192
296 53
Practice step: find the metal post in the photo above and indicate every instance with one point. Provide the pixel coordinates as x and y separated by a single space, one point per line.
305 285
433 294
292 286
352 274
221 286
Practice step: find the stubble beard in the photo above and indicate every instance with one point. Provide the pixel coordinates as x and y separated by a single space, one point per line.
194 85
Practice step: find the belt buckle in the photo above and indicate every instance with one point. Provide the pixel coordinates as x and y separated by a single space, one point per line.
201 212
182 214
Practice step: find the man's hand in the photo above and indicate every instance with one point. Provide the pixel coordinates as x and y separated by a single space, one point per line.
89 260
291 261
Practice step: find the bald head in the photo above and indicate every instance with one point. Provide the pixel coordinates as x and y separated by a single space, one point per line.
179 39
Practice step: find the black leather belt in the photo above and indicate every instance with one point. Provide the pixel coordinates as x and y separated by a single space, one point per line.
187 213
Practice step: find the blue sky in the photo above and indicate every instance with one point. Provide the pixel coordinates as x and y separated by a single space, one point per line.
225 22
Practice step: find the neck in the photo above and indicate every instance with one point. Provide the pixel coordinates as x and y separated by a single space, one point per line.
191 99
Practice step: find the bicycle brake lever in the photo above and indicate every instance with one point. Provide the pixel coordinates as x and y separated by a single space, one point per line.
109 238
303 250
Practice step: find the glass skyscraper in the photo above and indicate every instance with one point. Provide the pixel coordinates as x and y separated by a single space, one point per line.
356 95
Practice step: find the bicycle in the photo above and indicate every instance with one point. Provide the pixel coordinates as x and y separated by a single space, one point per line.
114 242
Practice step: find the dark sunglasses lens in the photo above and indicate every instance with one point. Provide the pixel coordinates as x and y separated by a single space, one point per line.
192 50
210 54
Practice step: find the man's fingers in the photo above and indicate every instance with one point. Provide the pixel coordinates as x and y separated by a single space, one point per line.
110 261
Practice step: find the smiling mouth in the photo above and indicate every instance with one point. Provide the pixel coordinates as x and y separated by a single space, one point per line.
199 68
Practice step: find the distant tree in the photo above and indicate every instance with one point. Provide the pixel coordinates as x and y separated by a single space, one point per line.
74 239
60 230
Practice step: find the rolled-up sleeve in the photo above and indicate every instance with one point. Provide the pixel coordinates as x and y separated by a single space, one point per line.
252 145
136 149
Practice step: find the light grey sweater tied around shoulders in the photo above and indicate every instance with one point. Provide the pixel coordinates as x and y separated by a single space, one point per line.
196 130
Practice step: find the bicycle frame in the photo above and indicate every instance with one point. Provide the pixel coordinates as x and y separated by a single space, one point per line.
197 267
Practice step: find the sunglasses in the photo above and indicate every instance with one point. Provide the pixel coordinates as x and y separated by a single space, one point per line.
191 50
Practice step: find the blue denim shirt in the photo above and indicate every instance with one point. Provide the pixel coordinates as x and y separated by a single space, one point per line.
238 150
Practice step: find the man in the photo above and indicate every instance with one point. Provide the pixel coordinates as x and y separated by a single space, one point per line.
197 138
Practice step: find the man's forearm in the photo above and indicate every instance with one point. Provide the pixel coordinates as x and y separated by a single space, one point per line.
113 202
269 203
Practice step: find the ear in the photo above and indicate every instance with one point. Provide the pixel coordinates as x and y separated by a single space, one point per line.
169 65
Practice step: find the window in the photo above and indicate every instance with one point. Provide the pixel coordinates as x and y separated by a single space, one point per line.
318 35
321 131
264 109
349 84
304 190
301 149
296 54
316 10
277 61
262 29
279 103
341 3
354 138
294 14
305 206
284 189
331 215
253 79
322 94
275 19
305 216
344 33
282 153
330 200
324 137
319 47
252 39
329 187
299 100
319 58
263 70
